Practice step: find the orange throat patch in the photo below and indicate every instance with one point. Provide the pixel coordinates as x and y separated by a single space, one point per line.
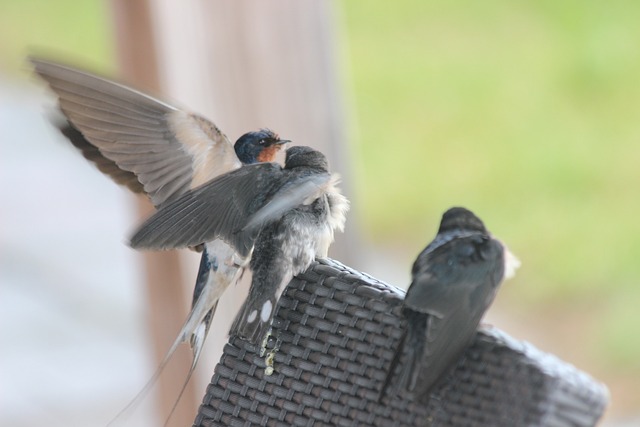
268 154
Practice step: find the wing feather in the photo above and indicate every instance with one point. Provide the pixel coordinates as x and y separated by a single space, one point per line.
138 137
303 190
105 165
218 209
233 207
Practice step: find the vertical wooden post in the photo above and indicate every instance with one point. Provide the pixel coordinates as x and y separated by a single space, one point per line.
137 61
248 64
245 64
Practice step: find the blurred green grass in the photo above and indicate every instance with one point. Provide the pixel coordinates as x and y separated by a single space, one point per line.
529 114
526 112
64 26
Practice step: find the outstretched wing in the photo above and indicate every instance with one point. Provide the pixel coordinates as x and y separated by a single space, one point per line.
138 137
233 207
93 154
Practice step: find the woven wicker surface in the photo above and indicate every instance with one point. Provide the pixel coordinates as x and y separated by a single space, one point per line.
338 330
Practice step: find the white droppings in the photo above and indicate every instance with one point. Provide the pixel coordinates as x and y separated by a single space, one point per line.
252 316
266 311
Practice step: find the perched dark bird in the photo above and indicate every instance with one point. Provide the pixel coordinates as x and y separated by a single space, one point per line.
454 280
285 216
157 149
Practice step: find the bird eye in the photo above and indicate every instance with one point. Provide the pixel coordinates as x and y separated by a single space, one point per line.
262 142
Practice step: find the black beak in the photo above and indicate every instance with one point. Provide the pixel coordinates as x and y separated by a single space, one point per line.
281 142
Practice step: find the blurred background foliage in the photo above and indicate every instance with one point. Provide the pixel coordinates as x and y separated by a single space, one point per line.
78 27
529 114
526 112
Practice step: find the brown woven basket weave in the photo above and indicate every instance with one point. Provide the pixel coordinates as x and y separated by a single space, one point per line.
338 330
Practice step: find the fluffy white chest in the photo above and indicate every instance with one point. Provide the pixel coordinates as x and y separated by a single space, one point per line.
313 233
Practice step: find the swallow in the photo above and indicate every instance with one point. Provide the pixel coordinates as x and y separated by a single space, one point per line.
161 151
282 217
454 281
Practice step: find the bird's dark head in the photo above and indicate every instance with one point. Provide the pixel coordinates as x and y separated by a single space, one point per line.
258 147
461 219
305 156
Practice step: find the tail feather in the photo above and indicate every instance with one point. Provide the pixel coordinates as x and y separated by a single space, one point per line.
199 335
254 320
194 361
414 347
411 345
147 387
200 330
392 369
195 330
